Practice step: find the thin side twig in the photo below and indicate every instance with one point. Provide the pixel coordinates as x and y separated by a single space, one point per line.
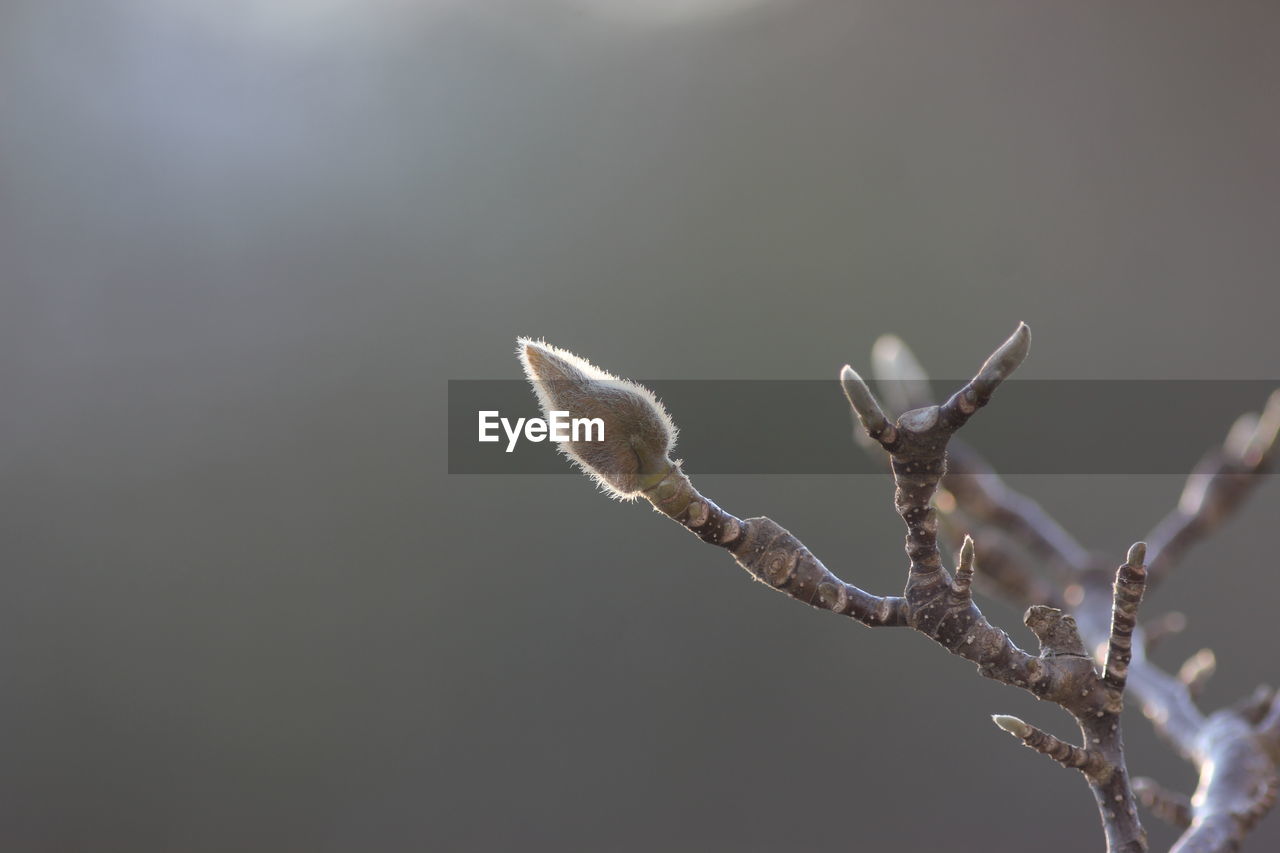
1235 750
1217 487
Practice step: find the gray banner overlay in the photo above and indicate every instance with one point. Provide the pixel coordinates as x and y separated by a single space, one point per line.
805 426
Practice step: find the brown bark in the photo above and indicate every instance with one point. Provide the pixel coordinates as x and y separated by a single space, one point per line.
1081 606
1235 750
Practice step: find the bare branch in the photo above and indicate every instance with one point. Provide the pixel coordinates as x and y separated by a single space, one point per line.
995 370
1229 749
771 554
1131 579
1236 750
1003 571
1197 670
1256 707
1160 629
1237 785
866 408
979 492
634 461
1170 806
1268 721
1041 741
1217 487
1063 673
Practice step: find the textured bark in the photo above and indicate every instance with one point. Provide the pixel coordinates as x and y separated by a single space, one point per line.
1235 750
1080 606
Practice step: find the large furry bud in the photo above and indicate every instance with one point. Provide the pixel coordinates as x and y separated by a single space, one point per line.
638 433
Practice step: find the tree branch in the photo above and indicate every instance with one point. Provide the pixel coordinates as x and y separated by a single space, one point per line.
1236 750
1060 751
1131 580
1003 572
1217 487
975 486
933 603
1169 806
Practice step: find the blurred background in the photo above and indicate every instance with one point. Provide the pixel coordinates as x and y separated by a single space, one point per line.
245 245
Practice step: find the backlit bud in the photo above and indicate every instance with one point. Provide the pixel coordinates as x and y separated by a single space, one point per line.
638 432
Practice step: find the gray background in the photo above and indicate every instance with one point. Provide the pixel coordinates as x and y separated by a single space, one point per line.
244 246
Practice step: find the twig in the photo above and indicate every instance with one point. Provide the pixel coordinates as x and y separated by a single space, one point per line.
1236 750
1170 806
1217 487
933 603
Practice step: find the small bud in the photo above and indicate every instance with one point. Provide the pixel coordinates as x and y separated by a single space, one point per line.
1012 725
638 432
977 391
865 406
1137 554
1003 361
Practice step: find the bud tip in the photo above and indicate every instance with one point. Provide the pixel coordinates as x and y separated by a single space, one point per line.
1012 725
633 452
1137 554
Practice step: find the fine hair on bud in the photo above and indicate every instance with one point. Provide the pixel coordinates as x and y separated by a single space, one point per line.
638 433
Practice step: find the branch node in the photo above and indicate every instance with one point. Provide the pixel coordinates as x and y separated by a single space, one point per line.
1057 631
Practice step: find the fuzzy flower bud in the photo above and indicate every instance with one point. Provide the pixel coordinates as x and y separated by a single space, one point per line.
638 433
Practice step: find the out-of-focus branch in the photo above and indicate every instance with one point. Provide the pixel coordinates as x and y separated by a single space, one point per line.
1164 627
1217 487
1228 748
981 493
1002 572
1170 806
1236 750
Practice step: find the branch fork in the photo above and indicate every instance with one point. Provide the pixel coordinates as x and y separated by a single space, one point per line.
1236 750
